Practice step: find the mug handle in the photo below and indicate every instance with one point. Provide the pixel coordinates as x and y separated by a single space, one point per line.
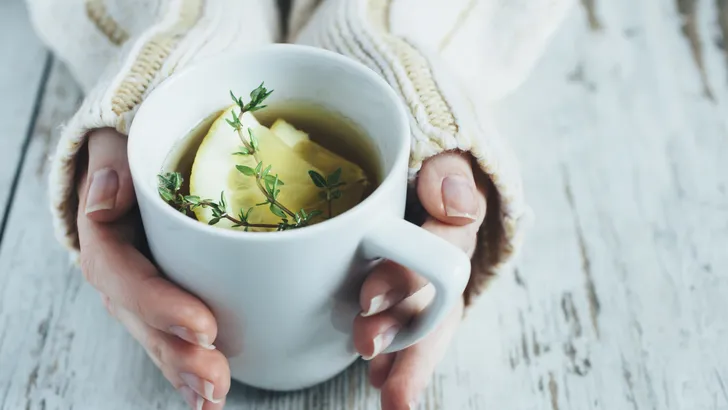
443 264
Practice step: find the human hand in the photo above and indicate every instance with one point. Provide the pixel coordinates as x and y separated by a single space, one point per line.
175 328
392 295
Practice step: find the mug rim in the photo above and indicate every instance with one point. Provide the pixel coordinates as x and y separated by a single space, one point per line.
209 64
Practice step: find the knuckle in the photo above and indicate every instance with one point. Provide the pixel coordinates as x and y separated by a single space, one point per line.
158 351
142 303
140 309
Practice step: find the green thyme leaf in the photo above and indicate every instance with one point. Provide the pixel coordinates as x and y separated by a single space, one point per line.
256 108
177 180
243 151
333 179
169 184
253 139
276 182
235 99
195 200
317 179
245 170
257 97
166 195
277 211
235 122
255 94
272 178
268 187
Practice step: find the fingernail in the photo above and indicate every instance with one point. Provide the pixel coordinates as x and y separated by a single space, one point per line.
102 190
193 399
458 196
381 341
199 339
380 303
376 305
202 387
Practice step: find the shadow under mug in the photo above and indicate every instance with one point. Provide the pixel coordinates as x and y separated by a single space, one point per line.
285 301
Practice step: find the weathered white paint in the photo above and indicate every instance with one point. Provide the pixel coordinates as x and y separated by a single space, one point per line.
22 63
620 296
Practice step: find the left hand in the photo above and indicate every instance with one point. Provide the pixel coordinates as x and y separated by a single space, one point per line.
392 295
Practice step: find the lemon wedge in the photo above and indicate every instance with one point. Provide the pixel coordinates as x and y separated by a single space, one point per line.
290 154
288 133
328 162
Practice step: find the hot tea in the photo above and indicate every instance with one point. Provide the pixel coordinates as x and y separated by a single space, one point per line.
270 168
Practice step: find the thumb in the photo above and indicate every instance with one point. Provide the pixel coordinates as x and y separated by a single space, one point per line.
447 190
108 193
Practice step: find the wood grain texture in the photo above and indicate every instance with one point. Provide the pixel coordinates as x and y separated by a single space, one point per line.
23 64
617 301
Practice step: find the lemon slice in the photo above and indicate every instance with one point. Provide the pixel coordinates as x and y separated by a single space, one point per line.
356 182
328 162
214 172
288 133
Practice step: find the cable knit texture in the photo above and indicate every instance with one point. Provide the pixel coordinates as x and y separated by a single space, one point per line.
442 115
447 59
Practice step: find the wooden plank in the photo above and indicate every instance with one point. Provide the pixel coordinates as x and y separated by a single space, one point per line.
616 303
618 299
24 61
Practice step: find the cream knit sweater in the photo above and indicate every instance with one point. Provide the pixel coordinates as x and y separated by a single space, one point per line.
447 59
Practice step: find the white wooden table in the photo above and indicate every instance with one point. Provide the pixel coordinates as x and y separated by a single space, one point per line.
619 300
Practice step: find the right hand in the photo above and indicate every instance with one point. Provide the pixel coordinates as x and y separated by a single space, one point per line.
175 328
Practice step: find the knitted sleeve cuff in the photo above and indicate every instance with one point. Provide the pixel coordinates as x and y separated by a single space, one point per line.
442 116
185 31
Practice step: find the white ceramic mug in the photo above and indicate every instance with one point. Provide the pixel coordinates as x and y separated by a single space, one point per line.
285 301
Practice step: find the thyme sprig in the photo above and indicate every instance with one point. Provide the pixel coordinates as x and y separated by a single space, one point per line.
329 185
170 183
257 97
